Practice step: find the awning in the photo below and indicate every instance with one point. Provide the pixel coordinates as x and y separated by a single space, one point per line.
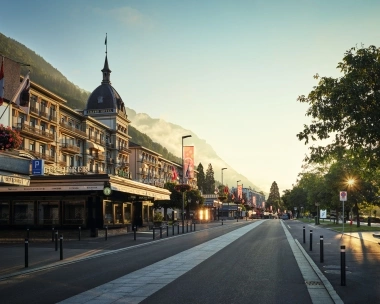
156 194
95 146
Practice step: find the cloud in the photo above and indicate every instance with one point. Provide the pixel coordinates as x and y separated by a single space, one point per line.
127 16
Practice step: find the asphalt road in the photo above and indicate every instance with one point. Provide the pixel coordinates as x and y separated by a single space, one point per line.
258 267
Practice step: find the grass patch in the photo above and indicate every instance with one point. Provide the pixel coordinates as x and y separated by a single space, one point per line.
338 227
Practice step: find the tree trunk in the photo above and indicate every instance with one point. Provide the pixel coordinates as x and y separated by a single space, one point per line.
357 215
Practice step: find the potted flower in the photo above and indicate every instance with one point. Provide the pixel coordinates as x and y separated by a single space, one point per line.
9 139
157 219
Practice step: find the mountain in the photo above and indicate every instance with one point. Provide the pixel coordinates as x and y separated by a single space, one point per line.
155 134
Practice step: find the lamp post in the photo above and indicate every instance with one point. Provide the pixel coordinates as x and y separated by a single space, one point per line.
183 193
223 192
237 194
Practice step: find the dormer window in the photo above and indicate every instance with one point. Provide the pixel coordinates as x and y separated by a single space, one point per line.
100 99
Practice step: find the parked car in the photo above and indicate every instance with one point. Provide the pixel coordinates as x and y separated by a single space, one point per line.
284 217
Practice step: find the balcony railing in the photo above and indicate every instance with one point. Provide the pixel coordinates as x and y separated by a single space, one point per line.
40 155
99 157
70 148
124 149
72 128
33 131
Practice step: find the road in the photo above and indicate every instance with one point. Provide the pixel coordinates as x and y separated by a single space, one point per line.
243 262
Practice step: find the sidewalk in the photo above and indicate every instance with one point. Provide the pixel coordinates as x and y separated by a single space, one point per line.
42 254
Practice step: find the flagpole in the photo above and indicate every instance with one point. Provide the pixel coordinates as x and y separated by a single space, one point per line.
105 42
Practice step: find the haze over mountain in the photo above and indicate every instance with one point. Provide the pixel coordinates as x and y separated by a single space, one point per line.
168 135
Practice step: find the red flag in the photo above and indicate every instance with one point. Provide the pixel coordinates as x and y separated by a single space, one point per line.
174 174
2 83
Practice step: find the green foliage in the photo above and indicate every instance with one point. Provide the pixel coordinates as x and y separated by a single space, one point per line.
274 198
44 73
209 186
346 110
201 177
158 217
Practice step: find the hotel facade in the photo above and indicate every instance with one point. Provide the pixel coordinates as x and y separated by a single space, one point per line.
77 167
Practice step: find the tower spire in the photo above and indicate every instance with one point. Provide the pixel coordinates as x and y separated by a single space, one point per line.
106 71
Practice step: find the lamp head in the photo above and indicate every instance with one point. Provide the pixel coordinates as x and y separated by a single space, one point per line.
224 169
186 136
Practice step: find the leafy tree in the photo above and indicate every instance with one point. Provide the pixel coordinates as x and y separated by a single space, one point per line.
196 200
274 199
209 186
201 177
175 201
347 109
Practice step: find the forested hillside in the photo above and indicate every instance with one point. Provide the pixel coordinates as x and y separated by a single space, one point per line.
44 74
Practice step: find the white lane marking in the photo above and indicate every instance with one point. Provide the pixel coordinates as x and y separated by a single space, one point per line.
140 284
324 293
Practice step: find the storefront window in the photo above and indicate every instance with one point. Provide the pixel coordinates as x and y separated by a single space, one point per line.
127 213
74 212
118 214
145 213
24 213
4 213
48 213
108 212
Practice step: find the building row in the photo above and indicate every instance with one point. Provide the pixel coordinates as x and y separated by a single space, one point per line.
77 167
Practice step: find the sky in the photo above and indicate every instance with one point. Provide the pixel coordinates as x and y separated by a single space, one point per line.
228 70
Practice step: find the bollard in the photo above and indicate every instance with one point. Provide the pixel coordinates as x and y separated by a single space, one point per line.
56 241
191 227
167 230
160 232
134 233
61 247
187 226
321 248
222 222
304 238
177 228
194 226
173 229
311 240
342 265
26 253
154 233
79 232
369 221
52 235
27 233
106 233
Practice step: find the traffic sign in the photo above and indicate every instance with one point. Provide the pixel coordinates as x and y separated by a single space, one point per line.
343 196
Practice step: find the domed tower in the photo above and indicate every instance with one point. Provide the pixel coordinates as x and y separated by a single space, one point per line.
110 135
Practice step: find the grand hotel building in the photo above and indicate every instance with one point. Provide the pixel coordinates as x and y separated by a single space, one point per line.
77 167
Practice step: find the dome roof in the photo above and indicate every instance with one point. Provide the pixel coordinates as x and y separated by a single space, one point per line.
105 96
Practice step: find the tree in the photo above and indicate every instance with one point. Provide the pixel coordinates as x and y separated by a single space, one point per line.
274 199
200 177
209 186
175 201
347 108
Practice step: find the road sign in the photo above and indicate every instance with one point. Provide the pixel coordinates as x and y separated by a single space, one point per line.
343 196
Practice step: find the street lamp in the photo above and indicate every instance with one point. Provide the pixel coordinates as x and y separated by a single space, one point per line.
237 194
183 193
223 192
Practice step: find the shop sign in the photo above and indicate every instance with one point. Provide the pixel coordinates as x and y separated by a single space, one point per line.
14 180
